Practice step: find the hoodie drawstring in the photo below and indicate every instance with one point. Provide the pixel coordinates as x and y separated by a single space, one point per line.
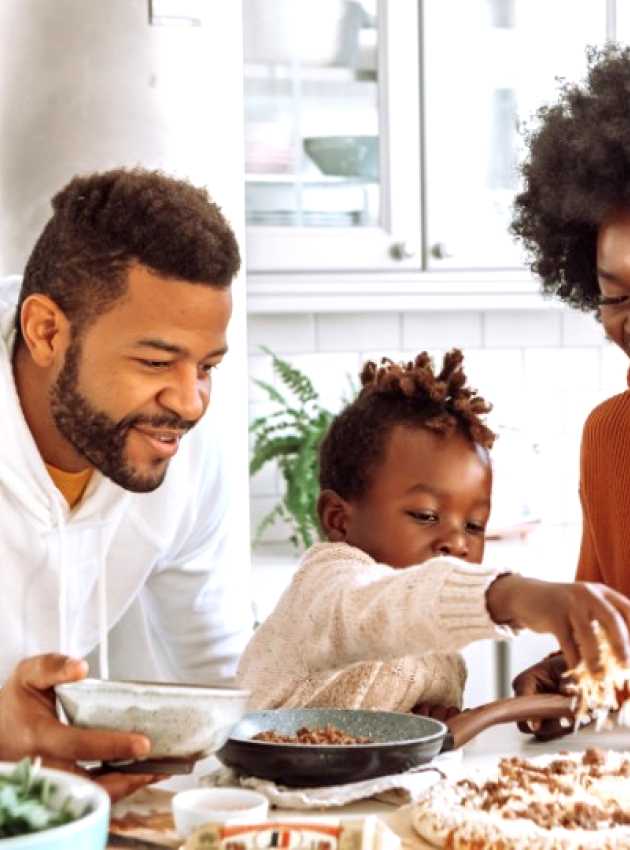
62 602
65 647
103 641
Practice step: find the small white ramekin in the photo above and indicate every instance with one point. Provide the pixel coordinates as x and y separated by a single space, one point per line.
197 806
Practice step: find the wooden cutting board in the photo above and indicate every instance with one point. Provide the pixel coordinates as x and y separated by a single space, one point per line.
146 815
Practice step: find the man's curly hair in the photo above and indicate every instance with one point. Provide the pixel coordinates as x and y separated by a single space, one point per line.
576 173
103 222
410 394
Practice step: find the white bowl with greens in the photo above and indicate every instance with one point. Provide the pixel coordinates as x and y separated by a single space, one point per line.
46 809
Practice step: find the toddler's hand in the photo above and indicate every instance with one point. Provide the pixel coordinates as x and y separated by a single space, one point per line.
437 712
566 611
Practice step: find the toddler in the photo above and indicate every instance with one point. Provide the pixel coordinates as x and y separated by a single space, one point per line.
374 617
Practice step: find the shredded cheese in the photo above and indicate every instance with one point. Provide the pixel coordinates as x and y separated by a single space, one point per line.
605 691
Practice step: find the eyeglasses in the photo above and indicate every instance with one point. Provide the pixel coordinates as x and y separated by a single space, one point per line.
613 300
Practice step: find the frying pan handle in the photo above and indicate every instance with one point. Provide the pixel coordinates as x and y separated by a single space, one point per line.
465 726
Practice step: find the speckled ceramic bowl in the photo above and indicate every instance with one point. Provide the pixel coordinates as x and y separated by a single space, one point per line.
182 721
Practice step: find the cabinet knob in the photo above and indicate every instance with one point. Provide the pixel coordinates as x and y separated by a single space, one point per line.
401 251
440 251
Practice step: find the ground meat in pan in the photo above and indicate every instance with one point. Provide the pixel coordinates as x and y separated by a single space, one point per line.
325 735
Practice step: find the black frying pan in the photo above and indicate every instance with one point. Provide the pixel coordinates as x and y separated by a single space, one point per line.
401 741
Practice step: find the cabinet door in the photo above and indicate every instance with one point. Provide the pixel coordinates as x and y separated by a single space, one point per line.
488 66
332 134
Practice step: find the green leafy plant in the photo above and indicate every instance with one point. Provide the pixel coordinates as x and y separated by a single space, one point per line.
291 435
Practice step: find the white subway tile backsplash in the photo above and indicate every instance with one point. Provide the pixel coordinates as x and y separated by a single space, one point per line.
283 333
376 355
260 369
497 374
260 507
525 328
614 370
581 329
542 370
425 330
266 482
562 385
359 331
558 487
331 375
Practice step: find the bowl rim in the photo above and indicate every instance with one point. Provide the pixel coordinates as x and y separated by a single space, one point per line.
343 137
101 808
180 800
162 689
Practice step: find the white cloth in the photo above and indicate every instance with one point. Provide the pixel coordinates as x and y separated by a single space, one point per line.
176 605
397 789
351 633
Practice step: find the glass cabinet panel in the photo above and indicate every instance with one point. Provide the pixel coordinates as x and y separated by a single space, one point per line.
317 135
311 95
488 66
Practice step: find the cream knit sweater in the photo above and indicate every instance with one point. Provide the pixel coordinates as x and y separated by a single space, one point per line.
351 633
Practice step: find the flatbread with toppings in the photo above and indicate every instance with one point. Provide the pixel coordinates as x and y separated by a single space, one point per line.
554 802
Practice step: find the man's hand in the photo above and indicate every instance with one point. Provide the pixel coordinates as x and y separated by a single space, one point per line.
566 611
546 677
29 725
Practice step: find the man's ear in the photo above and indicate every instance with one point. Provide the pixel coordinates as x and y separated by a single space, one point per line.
45 329
334 515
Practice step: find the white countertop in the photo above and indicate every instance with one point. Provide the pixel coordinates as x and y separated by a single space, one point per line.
482 752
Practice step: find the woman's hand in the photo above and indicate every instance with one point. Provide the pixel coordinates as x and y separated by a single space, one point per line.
545 677
566 611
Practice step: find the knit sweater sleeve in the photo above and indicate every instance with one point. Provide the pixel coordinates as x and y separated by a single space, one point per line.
342 607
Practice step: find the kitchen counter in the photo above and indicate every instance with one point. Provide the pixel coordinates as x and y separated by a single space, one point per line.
483 751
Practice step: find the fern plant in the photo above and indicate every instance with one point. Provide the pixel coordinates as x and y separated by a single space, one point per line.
291 435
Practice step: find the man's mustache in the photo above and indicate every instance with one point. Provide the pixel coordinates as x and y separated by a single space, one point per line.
172 423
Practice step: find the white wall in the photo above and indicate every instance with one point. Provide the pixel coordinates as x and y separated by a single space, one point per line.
88 85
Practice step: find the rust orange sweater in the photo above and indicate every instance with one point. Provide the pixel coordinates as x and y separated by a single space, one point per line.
605 495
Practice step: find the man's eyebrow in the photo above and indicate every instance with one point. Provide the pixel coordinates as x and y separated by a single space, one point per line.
169 347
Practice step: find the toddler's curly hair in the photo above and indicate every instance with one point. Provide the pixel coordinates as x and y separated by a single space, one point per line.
410 394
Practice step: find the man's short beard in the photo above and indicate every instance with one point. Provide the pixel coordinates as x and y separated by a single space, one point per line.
95 435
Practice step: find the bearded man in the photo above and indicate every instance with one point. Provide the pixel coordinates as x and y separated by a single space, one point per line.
105 376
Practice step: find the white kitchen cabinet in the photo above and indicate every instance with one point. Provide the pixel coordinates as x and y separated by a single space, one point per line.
332 134
488 66
382 140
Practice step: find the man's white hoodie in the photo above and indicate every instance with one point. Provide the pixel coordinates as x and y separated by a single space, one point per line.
175 606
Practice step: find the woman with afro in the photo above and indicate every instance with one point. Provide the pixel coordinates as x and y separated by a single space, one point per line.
574 218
